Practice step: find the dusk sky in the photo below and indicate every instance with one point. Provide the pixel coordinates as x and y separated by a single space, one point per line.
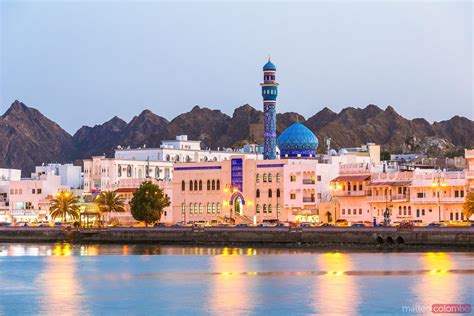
82 63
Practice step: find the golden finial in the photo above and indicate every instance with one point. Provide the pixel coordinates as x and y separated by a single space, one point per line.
268 57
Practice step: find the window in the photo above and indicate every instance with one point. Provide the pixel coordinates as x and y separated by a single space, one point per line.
257 208
422 212
269 208
257 193
319 178
168 158
196 208
399 210
404 210
264 177
462 195
420 195
278 208
218 186
278 193
417 213
208 208
157 172
176 158
409 210
257 178
270 194
183 185
208 185
39 191
190 185
354 187
33 191
218 207
360 187
200 185
349 212
191 208
360 211
270 177
213 184
293 178
213 208
200 208
343 211
264 208
278 177
292 196
451 216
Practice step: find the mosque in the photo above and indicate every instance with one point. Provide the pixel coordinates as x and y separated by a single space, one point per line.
288 187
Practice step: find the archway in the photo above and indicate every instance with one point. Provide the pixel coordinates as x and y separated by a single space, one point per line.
328 217
238 210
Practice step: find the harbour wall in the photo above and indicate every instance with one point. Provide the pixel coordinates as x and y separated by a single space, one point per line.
381 236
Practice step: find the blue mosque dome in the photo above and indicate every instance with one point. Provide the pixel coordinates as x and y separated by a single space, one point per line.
269 66
297 141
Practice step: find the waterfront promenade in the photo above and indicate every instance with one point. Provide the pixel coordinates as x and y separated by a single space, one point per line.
320 236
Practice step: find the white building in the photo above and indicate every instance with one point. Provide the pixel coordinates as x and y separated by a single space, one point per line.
71 176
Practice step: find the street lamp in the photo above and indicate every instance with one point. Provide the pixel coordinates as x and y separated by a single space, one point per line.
334 187
438 183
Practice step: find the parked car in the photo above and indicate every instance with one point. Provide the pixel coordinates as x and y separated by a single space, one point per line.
406 224
305 224
283 225
242 225
437 224
342 223
159 225
357 225
326 225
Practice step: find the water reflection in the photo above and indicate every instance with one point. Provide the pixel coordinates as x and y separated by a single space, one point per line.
60 288
229 291
438 285
335 292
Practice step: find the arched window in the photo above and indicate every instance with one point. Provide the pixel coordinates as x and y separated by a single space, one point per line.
205 159
257 193
213 208
200 185
183 208
190 185
257 208
183 185
213 184
264 208
208 208
176 158
278 208
270 177
399 210
191 208
218 207
270 194
129 171
269 208
196 209
208 184
257 178
147 171
168 158
278 193
188 159
264 177
195 185
200 208
218 185
119 170
157 172
278 177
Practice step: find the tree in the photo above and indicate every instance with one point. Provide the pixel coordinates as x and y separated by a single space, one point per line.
110 202
148 203
65 204
468 206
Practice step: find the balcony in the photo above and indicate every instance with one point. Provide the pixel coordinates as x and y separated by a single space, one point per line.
309 199
351 193
309 181
434 200
389 198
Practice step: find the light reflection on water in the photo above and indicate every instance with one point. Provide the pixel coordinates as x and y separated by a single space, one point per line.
98 279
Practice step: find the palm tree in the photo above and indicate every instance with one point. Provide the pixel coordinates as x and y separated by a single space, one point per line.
65 204
110 201
468 206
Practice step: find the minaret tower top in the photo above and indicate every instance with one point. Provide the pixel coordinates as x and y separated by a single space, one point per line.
269 94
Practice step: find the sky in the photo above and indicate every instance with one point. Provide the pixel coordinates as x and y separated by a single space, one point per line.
81 63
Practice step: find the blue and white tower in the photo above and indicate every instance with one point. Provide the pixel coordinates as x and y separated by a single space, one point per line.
269 94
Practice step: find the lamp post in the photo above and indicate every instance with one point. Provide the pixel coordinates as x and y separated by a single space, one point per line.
334 187
438 183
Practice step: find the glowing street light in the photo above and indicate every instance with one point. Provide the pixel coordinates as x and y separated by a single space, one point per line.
438 183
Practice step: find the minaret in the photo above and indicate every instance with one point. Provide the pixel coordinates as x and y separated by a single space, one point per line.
269 94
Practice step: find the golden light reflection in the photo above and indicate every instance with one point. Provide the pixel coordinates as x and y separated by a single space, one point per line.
60 285
332 290
62 249
438 285
229 292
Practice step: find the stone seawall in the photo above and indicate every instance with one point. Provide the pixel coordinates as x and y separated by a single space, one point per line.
419 236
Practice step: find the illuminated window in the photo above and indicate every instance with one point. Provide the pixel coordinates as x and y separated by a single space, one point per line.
191 208
200 208
208 208
293 178
257 178
208 185
213 208
270 177
218 207
183 208
213 184
257 208
278 178
269 208
264 177
264 208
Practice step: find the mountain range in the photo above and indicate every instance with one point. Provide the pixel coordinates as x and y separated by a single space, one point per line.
28 138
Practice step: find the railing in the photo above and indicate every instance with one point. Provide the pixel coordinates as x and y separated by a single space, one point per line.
351 193
434 200
309 199
308 181
389 198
